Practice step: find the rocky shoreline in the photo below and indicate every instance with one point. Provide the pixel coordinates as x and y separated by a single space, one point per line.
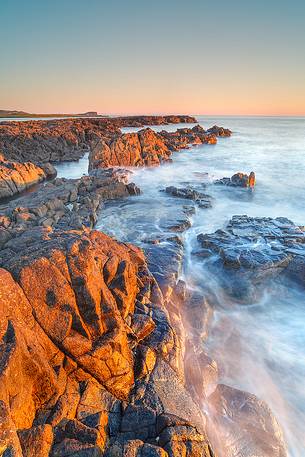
67 139
88 351
102 346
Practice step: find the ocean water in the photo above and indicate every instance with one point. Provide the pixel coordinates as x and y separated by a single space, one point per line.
260 347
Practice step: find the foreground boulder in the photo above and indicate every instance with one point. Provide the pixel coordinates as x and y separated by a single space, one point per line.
90 364
16 177
251 250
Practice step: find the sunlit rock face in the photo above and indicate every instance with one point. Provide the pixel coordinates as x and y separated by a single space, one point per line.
90 363
56 140
130 149
16 177
148 148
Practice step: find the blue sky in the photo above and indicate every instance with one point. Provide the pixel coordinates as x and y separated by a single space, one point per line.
143 57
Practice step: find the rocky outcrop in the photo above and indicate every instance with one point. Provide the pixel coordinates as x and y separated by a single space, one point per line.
130 149
67 139
90 364
251 250
64 203
185 137
237 180
16 177
201 199
146 147
219 131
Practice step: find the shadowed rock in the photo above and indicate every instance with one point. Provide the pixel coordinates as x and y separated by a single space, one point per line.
251 250
237 180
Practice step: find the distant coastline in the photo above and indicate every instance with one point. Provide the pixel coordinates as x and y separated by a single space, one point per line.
23 114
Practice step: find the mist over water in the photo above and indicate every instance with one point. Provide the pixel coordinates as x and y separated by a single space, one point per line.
259 347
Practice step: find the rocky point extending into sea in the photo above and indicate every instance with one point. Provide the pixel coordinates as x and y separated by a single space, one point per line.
94 334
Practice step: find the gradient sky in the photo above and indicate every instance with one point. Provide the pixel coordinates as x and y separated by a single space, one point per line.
200 57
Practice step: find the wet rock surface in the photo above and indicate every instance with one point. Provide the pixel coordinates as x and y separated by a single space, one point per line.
63 203
243 422
251 250
201 199
237 180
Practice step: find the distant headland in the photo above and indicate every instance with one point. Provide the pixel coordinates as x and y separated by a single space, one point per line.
17 114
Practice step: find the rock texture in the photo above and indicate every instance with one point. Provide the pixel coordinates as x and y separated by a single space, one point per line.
146 147
130 149
16 177
63 203
237 180
251 250
201 199
67 139
88 354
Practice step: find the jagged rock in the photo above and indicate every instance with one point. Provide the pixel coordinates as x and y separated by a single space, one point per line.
67 347
250 250
219 131
203 200
146 147
16 177
67 139
237 180
130 149
64 203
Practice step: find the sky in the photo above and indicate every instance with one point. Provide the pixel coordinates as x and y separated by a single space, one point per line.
143 57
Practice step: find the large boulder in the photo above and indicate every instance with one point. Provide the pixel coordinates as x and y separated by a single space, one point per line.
89 363
16 177
237 180
251 250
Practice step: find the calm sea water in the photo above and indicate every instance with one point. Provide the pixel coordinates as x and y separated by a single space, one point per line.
259 348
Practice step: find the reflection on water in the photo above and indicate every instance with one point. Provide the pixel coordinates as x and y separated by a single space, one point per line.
259 348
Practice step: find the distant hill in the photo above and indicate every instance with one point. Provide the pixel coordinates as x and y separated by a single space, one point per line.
16 113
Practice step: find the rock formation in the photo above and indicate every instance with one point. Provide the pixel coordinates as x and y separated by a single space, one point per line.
16 177
88 355
64 203
237 180
67 139
130 149
201 199
146 147
251 250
